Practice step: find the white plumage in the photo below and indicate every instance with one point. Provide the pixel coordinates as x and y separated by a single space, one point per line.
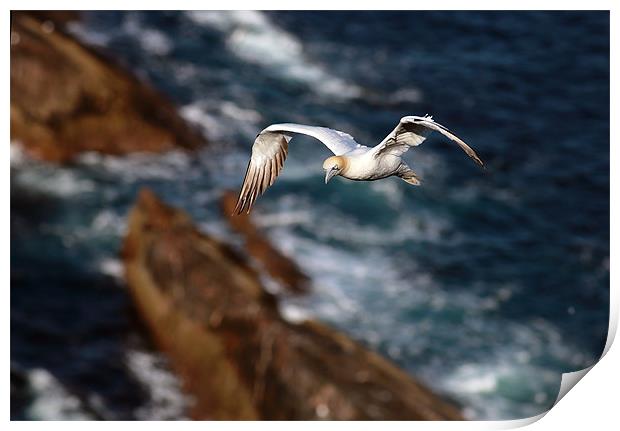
351 160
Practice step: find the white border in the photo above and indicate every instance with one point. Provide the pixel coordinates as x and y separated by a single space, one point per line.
590 405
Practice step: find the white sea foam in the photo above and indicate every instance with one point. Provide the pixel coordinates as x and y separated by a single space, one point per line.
406 95
496 388
240 114
223 120
48 179
109 222
186 73
390 189
51 400
88 35
18 156
298 211
334 272
155 42
197 113
286 218
166 399
470 378
112 267
151 40
254 38
293 313
138 166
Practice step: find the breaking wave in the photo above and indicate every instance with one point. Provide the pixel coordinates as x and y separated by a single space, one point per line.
254 38
51 401
165 398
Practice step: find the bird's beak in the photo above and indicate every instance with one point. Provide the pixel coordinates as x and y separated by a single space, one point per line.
330 174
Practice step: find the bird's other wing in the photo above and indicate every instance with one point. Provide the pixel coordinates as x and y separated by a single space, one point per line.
412 131
270 150
338 142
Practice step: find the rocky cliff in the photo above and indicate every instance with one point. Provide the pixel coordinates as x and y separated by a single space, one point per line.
67 98
235 353
281 269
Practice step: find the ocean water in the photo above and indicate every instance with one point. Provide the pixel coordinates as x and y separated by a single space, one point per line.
486 285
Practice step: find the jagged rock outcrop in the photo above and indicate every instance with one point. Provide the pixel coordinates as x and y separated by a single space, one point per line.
66 98
282 269
206 308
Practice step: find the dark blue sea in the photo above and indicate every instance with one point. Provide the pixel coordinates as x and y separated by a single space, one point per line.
484 284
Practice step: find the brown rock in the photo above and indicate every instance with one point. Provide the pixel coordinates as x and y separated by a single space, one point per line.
67 98
280 267
58 18
206 308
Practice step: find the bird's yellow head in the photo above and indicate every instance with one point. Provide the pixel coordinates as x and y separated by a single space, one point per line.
333 166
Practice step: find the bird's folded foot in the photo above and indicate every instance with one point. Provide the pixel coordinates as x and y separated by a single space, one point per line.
412 180
408 176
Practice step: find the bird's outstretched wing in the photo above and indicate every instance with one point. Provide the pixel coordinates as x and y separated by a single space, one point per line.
270 150
412 131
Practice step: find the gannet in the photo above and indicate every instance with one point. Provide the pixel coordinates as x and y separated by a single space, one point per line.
350 160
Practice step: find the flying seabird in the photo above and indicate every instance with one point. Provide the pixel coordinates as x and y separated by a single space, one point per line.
350 160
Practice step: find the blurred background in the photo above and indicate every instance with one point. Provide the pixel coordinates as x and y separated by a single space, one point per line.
485 285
